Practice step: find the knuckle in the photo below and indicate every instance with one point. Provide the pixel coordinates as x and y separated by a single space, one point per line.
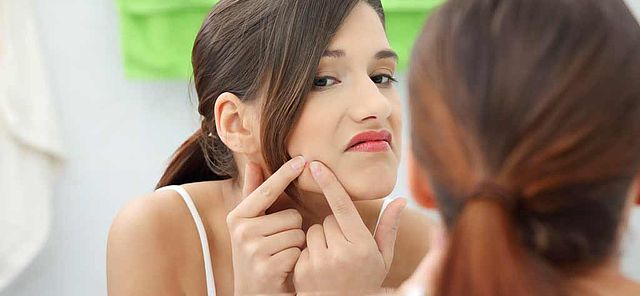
265 190
231 219
241 231
296 217
339 259
270 272
299 237
329 219
315 228
296 252
262 271
341 206
361 253
252 249
293 253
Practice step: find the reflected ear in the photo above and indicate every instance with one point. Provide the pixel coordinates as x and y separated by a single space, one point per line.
638 190
419 184
234 124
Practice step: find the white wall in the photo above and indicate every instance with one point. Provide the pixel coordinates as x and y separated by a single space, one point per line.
118 135
635 6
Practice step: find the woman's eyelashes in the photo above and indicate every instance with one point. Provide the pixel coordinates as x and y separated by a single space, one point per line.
384 80
324 82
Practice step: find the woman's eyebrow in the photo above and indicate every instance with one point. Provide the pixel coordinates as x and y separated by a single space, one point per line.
386 54
383 54
338 53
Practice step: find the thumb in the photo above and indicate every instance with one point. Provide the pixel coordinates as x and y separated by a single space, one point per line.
385 235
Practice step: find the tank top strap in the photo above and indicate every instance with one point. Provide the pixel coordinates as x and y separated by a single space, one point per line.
385 203
204 242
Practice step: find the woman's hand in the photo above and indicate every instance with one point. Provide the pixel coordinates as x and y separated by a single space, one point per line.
265 247
341 255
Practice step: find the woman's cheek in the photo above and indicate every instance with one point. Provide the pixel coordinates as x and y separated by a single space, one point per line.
305 148
307 183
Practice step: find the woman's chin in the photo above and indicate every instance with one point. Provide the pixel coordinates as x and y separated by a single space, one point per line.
375 191
357 192
370 186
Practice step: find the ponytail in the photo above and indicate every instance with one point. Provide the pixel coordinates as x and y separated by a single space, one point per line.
486 255
189 164
540 96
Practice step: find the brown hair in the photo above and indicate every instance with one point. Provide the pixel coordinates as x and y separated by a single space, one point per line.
526 117
251 48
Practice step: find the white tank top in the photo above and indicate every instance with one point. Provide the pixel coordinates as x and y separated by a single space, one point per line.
204 242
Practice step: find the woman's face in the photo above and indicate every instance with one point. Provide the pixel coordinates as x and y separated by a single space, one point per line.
351 119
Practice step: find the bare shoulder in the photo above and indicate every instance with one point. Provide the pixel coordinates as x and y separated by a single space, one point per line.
412 244
414 235
141 248
415 223
150 244
147 218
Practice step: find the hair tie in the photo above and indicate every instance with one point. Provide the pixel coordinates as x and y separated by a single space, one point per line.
497 193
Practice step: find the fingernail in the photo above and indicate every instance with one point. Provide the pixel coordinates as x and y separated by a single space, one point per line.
298 163
315 169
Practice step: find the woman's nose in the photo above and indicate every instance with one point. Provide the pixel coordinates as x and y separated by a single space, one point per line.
369 102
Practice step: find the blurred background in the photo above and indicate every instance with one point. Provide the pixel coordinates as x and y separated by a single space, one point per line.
117 132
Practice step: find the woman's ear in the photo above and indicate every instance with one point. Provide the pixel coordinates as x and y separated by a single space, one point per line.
419 184
234 124
637 190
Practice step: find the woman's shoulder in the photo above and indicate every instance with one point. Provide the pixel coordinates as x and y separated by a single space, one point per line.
141 249
414 234
412 243
417 221
156 215
152 240
149 213
147 222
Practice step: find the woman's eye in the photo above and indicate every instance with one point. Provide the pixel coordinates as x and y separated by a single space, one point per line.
383 79
326 81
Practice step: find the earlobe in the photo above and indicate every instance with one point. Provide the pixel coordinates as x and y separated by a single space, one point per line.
230 120
638 190
418 184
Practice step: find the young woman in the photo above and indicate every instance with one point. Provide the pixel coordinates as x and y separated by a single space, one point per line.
526 124
307 79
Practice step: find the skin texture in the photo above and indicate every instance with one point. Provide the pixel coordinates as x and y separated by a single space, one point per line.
256 234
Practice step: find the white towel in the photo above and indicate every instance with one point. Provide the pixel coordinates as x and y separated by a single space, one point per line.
30 147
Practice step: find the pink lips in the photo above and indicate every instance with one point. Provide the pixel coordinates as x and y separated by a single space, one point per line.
370 141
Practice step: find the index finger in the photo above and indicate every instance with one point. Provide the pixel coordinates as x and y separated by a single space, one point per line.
261 198
340 202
